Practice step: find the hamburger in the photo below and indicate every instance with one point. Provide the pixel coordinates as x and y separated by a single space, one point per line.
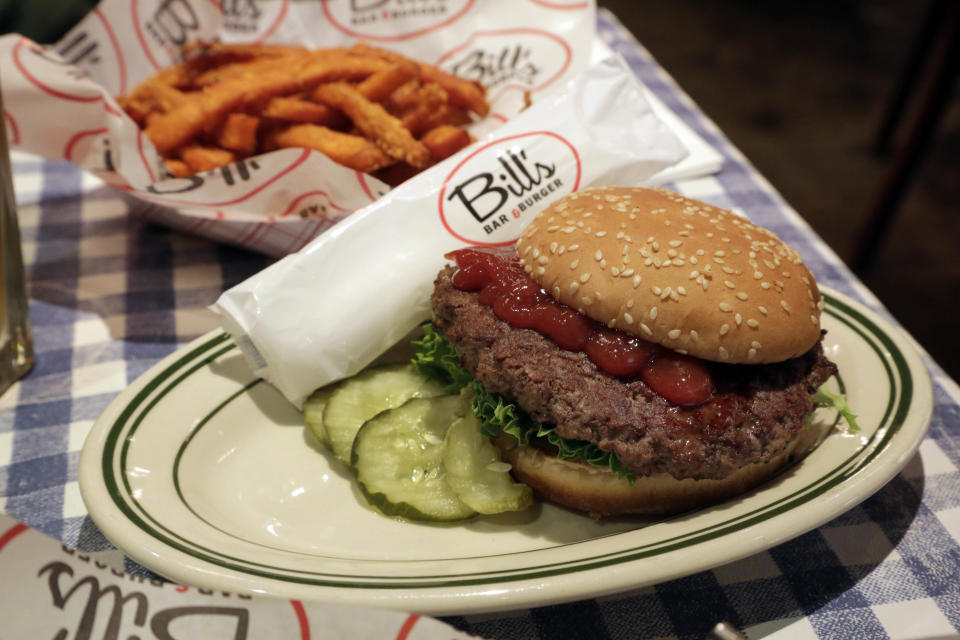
636 351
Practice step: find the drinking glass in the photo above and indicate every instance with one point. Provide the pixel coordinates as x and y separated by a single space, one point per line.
16 348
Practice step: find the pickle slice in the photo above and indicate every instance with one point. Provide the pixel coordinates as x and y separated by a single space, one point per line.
313 409
357 399
476 473
398 459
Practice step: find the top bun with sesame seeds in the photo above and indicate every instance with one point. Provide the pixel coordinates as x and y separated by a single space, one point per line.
688 276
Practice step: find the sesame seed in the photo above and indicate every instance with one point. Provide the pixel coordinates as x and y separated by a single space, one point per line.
725 307
785 305
753 324
574 247
528 268
656 290
574 286
682 290
575 264
738 319
584 277
765 285
694 335
543 260
673 334
752 354
729 285
630 304
741 295
755 344
586 301
600 234
653 313
813 319
626 273
762 309
724 354
675 243
598 255
541 271
637 279
628 318
693 260
614 271
646 329
536 253
724 329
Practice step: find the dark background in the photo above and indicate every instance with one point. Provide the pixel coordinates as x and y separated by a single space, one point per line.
801 88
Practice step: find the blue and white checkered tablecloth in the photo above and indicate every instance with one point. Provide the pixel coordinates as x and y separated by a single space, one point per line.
110 295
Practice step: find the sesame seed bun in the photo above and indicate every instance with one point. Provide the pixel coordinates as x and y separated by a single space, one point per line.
675 271
601 493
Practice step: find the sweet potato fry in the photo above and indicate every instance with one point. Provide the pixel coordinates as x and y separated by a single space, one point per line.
298 110
239 133
375 122
431 99
445 140
178 168
349 150
462 92
381 84
205 158
404 97
363 106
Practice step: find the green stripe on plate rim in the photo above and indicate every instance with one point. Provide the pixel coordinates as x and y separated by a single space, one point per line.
129 420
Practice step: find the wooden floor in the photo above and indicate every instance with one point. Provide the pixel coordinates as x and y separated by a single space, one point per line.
801 88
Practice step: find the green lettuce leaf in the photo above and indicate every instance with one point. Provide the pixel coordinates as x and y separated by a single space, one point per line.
837 401
435 358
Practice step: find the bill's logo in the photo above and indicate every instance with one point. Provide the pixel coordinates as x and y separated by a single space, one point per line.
254 19
163 27
490 196
525 59
393 19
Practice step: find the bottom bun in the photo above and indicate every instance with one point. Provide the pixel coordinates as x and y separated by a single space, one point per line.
600 492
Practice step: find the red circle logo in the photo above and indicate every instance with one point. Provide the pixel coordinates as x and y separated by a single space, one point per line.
391 20
492 194
504 59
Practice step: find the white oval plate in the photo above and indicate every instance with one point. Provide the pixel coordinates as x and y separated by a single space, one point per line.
206 475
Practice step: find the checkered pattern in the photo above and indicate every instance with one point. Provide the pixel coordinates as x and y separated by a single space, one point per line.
110 295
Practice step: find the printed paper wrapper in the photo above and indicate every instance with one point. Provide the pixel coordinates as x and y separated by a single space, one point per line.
353 292
59 99
50 591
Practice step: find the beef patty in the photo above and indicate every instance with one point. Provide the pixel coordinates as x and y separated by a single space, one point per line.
754 414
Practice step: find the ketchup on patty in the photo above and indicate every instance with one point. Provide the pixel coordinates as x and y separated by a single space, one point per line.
520 302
